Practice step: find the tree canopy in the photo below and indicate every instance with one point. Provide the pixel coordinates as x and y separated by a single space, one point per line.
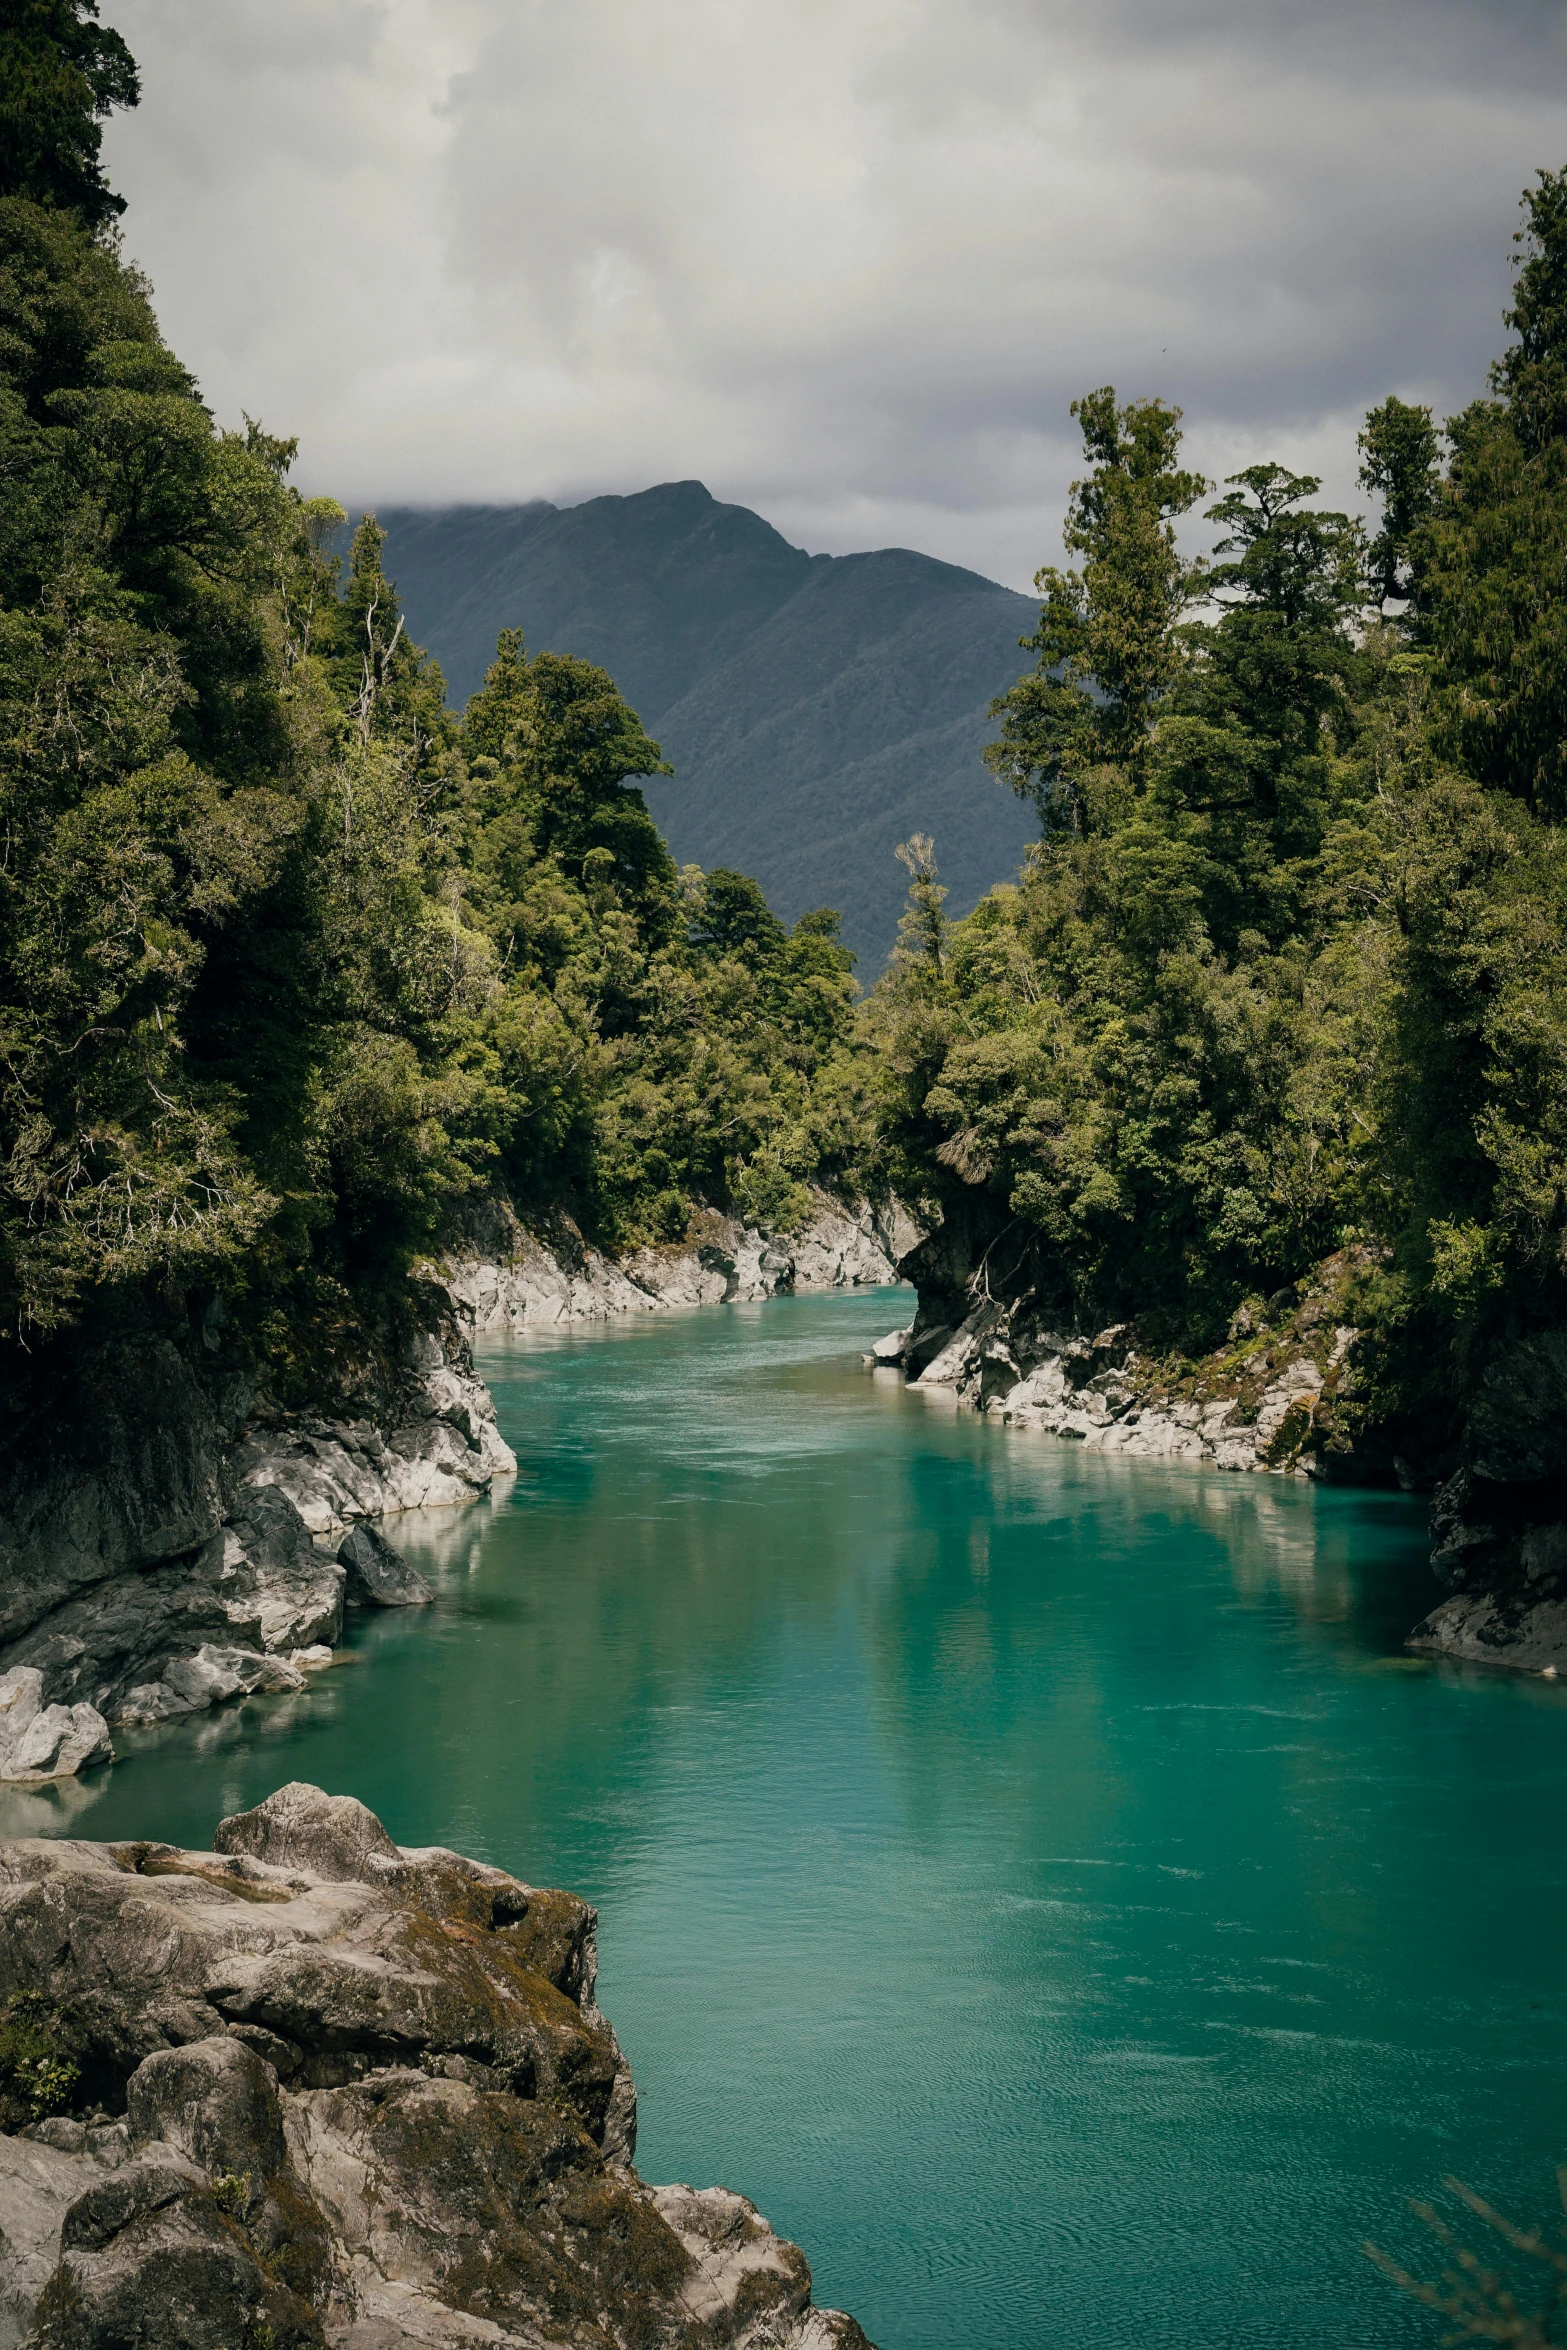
291 957
1287 972
294 959
62 73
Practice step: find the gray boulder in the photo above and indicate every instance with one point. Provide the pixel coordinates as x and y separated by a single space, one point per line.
378 1575
299 1827
369 2100
215 2102
169 2267
38 2185
295 1594
39 1741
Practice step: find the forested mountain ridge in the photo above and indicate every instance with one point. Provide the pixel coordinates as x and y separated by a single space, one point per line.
815 709
657 588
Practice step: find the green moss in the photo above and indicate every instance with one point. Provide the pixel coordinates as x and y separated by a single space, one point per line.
38 2073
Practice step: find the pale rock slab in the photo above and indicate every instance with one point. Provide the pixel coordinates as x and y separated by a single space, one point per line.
1086 1388
39 1741
38 2185
503 1278
210 1677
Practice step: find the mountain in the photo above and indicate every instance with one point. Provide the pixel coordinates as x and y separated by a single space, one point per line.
817 708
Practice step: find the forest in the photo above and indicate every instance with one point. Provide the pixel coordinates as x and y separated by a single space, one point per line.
1286 973
293 959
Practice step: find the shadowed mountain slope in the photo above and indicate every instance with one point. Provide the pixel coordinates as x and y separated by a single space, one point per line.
817 708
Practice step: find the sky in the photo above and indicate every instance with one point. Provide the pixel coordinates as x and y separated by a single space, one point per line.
846 261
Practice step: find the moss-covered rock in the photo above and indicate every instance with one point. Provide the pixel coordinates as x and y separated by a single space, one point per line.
363 2087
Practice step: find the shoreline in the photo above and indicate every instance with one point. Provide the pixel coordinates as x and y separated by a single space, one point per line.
184 1542
1281 1396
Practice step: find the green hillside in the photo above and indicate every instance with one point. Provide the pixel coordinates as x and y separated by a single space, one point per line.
817 709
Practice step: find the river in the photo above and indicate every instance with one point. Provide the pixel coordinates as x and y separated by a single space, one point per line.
1038 1880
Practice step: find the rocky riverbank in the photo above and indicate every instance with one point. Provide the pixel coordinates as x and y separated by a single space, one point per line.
503 1277
173 1533
309 2089
169 1538
1500 1521
1273 1399
1266 1400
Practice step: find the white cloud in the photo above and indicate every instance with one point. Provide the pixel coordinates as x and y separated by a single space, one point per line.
845 260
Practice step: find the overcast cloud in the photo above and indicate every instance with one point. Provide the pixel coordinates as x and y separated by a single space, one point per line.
847 261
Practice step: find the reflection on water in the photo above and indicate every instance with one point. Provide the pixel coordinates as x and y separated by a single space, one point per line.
1039 1879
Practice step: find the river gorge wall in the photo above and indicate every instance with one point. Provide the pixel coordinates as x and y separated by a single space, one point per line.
174 1532
314 2091
1286 1394
502 1276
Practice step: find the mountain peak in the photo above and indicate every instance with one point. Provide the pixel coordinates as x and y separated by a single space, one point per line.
818 709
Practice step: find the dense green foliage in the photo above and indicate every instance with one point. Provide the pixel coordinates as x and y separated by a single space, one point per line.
61 74
39 2074
1288 969
289 959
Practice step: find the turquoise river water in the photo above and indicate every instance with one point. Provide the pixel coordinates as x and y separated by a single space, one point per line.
1039 1881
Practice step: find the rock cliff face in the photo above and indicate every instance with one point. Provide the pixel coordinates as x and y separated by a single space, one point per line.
168 1541
309 2089
1501 1522
1264 1401
171 1538
503 1277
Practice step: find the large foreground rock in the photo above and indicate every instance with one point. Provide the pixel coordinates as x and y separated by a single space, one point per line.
335 2092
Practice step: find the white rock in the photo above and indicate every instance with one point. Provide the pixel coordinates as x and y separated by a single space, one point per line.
215 1674
150 1701
210 1677
39 1741
38 2185
504 1278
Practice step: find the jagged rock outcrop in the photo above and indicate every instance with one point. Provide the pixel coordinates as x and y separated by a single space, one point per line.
502 1277
378 1575
1265 1401
169 1538
330 2092
39 1741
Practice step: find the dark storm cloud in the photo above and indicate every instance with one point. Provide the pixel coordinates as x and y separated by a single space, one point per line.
847 260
